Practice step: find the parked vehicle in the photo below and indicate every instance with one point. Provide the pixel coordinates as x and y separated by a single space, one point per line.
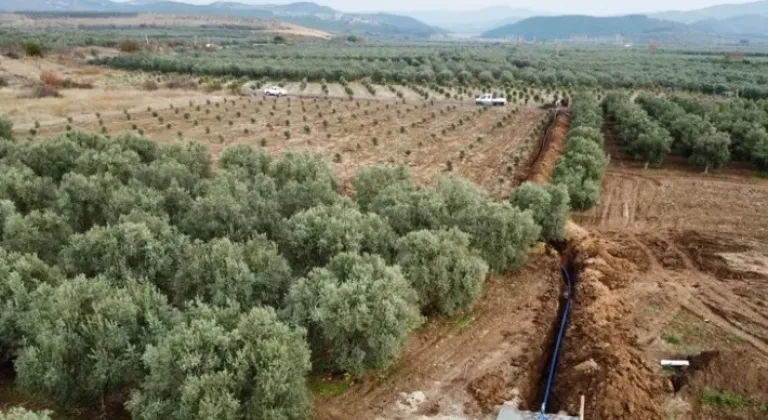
275 91
487 99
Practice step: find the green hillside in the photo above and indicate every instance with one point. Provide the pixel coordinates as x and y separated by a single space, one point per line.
546 28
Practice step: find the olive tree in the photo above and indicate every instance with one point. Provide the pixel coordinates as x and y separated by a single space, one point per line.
252 161
225 364
21 275
408 208
711 150
370 181
549 205
84 338
220 271
442 268
136 247
759 152
52 158
84 200
134 197
113 160
20 413
501 233
234 209
147 150
25 189
41 233
303 180
312 237
357 310
194 156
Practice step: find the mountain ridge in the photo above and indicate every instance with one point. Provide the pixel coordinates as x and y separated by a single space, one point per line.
307 14
547 28
719 12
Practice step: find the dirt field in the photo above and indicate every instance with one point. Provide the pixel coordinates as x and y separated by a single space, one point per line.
482 145
700 245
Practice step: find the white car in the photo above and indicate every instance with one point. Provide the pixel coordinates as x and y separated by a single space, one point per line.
275 91
487 99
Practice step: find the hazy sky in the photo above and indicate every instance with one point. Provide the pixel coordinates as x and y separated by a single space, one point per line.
591 7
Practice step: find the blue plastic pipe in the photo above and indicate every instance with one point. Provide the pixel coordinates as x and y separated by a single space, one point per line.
558 344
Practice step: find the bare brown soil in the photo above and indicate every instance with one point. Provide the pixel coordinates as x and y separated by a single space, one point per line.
700 245
430 139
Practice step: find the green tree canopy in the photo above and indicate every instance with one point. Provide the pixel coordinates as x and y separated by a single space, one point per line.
221 271
548 204
20 413
41 233
226 364
234 209
311 238
711 150
143 247
21 275
357 310
442 268
369 182
84 338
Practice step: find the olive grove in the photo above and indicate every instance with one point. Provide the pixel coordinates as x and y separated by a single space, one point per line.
134 268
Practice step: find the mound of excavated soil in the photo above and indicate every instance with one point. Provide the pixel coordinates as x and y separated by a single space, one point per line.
617 382
551 148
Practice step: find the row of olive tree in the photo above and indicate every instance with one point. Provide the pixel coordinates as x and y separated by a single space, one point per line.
581 167
133 266
694 136
641 138
745 121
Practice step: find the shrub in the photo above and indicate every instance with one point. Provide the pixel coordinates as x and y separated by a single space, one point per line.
549 205
44 91
50 78
240 365
85 338
6 128
128 46
312 237
34 48
444 271
358 313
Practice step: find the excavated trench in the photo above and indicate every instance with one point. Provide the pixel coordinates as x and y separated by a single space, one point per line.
536 390
597 358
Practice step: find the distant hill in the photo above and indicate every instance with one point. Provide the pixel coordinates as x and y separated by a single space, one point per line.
472 21
636 27
723 11
739 25
306 14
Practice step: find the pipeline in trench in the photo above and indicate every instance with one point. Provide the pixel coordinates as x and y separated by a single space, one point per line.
540 395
